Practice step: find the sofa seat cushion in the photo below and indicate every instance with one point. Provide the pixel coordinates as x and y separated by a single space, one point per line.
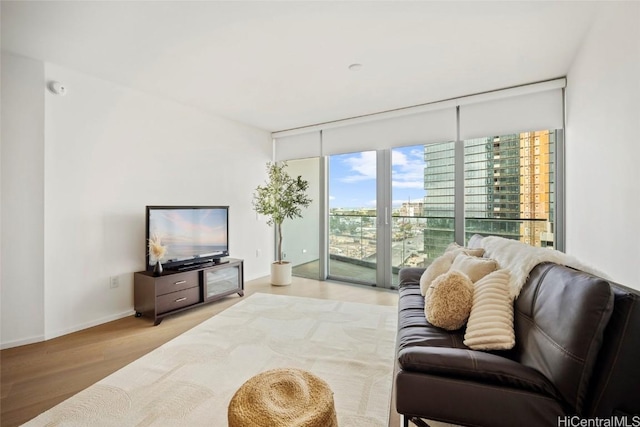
473 365
428 349
472 403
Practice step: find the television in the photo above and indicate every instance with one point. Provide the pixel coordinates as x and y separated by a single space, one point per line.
193 235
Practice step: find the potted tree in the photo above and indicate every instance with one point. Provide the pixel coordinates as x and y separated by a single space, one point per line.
281 197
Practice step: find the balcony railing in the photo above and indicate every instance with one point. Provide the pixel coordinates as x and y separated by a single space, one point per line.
417 240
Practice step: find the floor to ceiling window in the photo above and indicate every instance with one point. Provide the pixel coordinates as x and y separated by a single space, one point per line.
509 191
410 216
510 186
439 203
353 221
412 182
302 236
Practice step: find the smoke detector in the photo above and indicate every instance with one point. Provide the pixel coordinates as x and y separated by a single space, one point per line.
57 88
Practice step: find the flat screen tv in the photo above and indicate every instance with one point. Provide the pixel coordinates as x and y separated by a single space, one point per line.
193 235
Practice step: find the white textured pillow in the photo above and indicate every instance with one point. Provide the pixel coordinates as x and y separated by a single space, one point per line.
474 267
490 324
439 266
475 241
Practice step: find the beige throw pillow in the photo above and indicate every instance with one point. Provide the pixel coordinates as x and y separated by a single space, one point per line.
448 301
474 267
439 266
454 247
490 324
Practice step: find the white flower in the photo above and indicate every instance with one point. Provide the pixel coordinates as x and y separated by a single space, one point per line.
156 250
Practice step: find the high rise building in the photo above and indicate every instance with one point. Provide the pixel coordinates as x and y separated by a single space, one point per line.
439 180
537 195
509 181
411 208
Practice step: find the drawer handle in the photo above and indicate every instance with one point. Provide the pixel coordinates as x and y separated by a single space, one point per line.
181 299
181 282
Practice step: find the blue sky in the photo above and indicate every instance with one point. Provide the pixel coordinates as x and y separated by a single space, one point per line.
352 178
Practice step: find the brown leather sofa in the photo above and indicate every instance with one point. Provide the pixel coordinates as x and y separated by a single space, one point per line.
577 356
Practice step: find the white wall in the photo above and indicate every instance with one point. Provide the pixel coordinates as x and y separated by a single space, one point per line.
22 246
602 146
108 152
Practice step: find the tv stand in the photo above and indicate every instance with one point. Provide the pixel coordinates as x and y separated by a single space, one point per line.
177 290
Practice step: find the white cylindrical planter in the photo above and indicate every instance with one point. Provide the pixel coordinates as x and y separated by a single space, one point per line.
281 274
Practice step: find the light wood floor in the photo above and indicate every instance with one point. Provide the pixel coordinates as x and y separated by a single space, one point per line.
36 377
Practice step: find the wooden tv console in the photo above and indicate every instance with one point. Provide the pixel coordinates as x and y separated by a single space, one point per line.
174 291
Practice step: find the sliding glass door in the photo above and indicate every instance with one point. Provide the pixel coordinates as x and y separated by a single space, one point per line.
409 214
353 219
377 219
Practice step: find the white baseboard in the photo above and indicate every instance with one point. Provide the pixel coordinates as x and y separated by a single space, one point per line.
55 334
91 324
24 341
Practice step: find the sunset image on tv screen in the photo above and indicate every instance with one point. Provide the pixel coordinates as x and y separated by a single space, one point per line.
189 233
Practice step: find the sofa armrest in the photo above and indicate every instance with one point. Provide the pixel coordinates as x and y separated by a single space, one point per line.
559 320
410 275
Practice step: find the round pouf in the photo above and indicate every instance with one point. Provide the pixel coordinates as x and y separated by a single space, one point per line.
283 398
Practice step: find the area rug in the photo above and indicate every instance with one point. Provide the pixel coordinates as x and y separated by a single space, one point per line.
190 380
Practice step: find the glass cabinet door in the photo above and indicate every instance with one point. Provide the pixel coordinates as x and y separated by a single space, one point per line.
221 280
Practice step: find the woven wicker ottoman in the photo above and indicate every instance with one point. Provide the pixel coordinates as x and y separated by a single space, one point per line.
283 398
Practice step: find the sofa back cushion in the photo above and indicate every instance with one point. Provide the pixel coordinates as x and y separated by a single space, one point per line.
560 317
615 385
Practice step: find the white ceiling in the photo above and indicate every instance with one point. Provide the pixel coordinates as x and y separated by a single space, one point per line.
284 64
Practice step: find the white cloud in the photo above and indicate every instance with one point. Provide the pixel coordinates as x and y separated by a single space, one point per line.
408 184
408 169
398 158
362 165
331 198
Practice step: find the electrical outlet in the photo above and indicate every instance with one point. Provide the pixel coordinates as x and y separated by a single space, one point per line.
257 253
114 282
